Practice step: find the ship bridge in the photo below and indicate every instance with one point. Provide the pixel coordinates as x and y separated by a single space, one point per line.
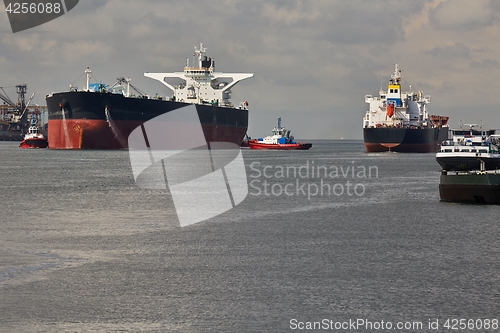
202 85
394 87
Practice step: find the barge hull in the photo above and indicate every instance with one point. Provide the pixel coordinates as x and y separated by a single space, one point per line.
470 188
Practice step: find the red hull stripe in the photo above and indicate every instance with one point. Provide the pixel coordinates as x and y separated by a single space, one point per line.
100 134
402 148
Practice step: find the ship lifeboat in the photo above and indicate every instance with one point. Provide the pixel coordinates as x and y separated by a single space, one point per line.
390 110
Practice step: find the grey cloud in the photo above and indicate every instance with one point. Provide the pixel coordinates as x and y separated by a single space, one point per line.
486 63
456 50
464 15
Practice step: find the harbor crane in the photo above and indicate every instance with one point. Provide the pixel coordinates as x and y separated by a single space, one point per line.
18 117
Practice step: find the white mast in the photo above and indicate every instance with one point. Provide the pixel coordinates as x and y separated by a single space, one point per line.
88 73
396 77
199 52
128 85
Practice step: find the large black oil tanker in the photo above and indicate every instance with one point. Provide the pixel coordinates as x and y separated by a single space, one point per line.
102 117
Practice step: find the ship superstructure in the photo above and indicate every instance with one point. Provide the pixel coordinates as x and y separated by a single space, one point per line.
202 85
399 121
467 148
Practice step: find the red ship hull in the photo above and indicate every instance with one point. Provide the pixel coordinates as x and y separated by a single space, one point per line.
99 134
278 146
88 133
34 143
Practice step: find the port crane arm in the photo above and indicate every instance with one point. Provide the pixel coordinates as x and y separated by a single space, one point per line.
6 99
27 104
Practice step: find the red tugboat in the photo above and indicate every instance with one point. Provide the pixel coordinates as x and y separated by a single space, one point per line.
281 139
34 138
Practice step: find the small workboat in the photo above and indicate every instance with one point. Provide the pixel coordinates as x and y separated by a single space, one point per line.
34 138
280 139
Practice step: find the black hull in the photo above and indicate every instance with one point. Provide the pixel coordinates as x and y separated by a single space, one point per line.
404 140
467 163
470 188
90 125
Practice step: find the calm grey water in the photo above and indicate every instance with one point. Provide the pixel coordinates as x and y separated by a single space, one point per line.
83 249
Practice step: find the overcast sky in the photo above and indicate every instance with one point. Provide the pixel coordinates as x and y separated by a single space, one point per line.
314 61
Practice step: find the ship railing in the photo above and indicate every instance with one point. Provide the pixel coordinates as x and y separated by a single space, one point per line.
227 105
369 98
197 70
468 149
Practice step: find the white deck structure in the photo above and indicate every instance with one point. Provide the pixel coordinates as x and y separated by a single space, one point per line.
202 85
395 108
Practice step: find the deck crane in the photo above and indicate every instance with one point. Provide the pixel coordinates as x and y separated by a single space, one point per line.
125 81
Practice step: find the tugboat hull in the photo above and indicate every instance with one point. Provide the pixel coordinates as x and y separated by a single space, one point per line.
34 143
278 146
